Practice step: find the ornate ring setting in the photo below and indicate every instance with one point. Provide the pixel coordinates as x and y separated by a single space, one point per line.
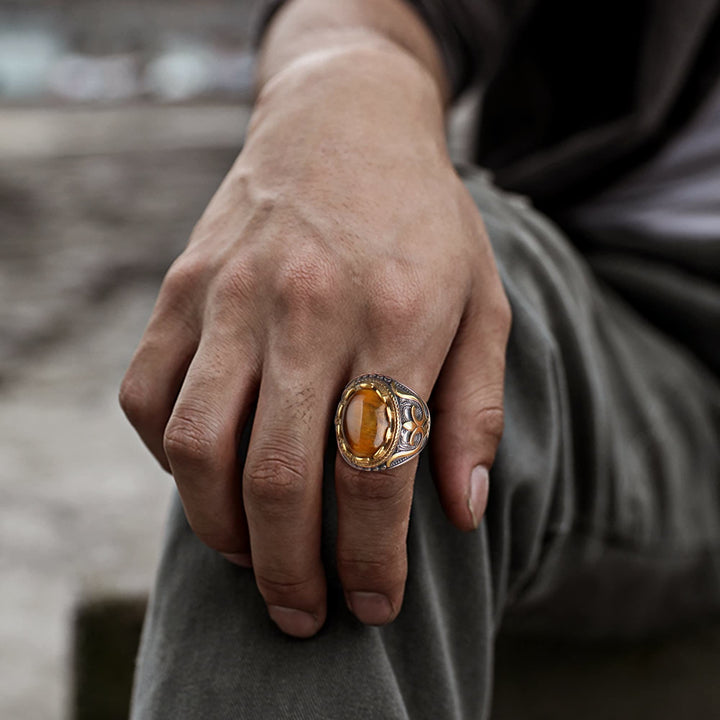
380 423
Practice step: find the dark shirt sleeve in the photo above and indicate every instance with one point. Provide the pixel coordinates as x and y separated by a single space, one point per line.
472 35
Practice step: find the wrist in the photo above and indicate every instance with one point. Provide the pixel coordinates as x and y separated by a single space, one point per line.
301 26
368 80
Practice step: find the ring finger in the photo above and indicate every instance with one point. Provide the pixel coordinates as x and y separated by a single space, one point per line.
373 515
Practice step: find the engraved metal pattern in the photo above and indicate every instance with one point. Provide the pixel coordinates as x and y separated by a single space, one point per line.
408 423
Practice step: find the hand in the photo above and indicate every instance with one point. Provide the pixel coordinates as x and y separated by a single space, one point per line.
342 242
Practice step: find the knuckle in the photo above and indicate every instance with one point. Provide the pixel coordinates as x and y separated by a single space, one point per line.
491 422
309 281
133 400
237 282
396 304
275 478
503 312
372 572
183 276
381 486
279 587
189 439
218 538
179 292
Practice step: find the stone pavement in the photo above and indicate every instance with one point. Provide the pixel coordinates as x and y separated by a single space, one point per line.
94 205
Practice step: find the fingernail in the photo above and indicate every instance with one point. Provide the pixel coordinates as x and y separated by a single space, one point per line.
477 498
370 608
293 622
241 559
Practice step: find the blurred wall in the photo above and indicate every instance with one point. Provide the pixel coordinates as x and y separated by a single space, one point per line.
83 50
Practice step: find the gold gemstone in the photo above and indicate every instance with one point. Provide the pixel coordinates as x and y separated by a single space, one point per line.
365 423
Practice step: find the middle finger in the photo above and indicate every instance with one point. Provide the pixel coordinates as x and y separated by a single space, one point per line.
282 490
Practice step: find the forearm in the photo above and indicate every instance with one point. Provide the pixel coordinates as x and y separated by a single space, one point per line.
333 28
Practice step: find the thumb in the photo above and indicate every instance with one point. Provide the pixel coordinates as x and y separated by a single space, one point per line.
467 409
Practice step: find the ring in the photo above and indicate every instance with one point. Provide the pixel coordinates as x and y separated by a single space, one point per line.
380 423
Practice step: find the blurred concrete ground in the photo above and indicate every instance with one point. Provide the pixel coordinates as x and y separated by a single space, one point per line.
94 205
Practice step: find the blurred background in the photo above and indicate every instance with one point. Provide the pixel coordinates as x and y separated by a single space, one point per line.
118 119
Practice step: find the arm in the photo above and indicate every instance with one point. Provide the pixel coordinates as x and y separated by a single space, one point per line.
341 242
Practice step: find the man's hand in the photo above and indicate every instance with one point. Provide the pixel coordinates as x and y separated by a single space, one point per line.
342 242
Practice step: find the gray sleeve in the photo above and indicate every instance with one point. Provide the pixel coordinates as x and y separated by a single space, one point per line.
471 34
